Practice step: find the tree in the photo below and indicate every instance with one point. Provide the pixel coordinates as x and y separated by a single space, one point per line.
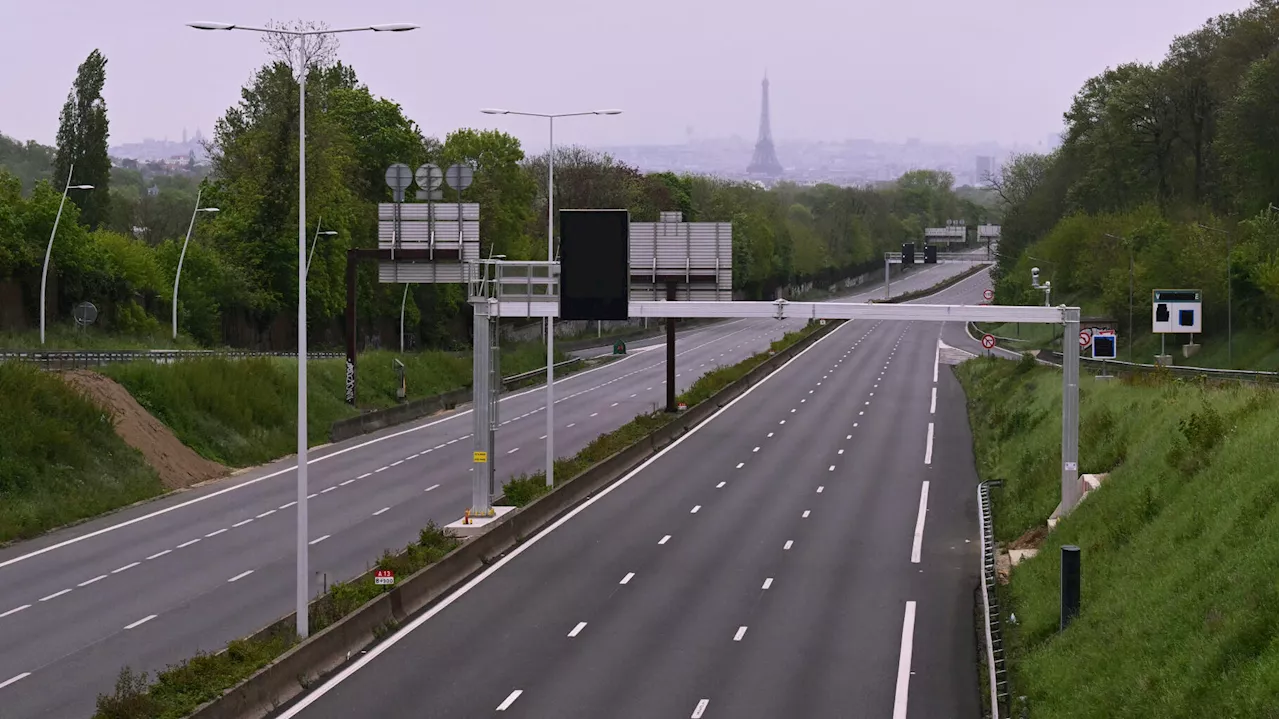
82 141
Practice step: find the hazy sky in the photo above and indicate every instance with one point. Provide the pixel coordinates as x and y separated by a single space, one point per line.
939 70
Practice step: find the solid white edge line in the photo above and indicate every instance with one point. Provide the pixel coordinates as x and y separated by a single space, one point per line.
287 470
933 401
918 539
928 447
511 699
904 662
11 680
456 594
140 622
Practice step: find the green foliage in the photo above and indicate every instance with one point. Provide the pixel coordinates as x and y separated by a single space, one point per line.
61 459
241 412
1179 543
30 162
182 687
82 142
519 491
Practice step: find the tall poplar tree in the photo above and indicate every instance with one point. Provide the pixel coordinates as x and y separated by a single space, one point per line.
82 141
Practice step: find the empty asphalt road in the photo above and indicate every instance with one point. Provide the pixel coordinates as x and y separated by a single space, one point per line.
809 551
153 584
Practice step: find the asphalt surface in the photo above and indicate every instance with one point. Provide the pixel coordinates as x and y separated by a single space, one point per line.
783 559
155 583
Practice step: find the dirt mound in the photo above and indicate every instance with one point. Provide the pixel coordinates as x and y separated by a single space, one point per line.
1032 538
177 464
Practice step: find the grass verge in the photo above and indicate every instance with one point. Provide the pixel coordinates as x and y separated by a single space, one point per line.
1179 597
525 488
242 412
60 458
179 689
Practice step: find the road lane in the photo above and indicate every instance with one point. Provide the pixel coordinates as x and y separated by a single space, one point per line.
187 555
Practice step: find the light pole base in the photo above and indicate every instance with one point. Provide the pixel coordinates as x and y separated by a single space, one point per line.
471 525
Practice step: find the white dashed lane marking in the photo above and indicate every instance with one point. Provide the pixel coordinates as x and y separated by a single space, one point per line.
242 523
627 578
511 699
216 532
737 637
318 540
159 554
140 622
87 582
434 486
768 582
240 576
11 680
131 565
380 511
55 594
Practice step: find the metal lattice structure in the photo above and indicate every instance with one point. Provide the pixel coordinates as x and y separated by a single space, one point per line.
696 256
765 160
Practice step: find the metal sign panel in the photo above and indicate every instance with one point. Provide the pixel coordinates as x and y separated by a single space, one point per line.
1176 311
954 233
593 264
697 256
434 227
988 230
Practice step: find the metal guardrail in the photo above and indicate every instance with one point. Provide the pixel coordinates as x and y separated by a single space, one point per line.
541 371
76 359
997 676
1244 375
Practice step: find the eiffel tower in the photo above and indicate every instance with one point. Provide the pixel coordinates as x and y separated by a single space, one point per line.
765 160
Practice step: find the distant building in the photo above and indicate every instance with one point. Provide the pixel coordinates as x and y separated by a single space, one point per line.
984 167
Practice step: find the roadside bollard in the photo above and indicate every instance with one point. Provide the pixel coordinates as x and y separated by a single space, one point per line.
1070 585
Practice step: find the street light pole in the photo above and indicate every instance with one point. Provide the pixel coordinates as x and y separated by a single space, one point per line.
48 250
316 240
182 255
301 594
551 257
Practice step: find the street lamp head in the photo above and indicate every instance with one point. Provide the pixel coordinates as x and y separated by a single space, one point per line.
494 111
329 232
208 209
81 187
211 25
393 27
608 112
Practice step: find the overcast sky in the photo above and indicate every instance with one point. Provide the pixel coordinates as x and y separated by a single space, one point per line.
939 70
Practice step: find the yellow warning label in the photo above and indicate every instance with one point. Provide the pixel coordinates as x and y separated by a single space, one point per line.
480 457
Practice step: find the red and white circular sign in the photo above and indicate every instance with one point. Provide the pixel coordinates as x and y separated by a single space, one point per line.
1086 338
988 294
988 341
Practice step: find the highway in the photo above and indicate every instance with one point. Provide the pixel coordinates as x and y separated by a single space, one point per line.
152 584
811 551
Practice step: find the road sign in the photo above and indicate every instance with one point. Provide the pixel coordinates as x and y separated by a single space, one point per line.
1175 311
85 313
987 295
1104 344
988 341
459 177
384 576
682 407
1085 338
479 457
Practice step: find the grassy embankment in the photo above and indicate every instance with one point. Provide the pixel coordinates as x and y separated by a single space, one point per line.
60 458
242 412
176 691
61 461
1179 545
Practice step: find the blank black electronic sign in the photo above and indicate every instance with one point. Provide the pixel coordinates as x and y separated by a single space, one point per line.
1104 346
594 273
